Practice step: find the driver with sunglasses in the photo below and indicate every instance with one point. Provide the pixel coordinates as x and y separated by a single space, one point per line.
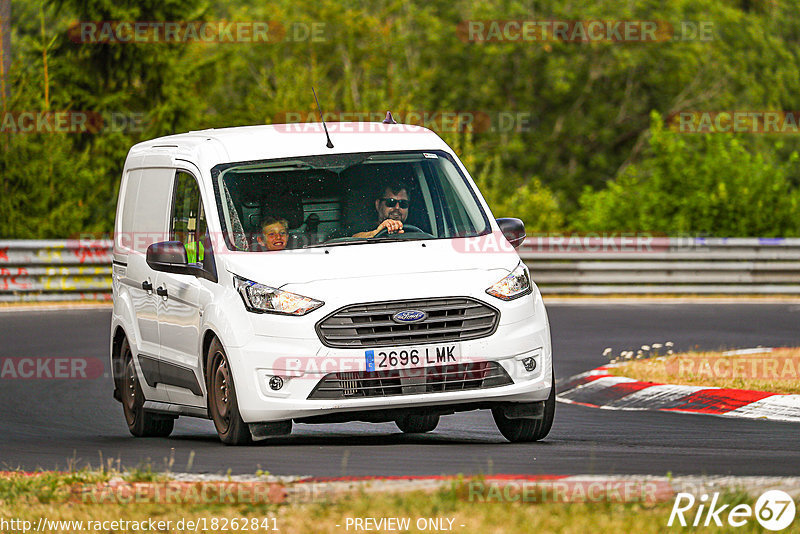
392 209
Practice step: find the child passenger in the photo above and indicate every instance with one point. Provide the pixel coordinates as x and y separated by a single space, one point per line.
274 234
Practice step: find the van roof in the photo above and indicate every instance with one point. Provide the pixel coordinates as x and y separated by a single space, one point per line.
248 143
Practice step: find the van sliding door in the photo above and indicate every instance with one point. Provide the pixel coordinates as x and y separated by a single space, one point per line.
179 310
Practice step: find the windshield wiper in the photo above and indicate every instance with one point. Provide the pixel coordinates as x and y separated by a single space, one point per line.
392 239
355 241
367 240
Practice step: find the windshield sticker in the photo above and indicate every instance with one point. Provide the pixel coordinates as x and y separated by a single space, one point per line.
430 156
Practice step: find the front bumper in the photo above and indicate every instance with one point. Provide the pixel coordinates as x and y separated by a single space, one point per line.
302 363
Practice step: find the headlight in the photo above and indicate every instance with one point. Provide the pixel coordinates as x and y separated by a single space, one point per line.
264 299
513 286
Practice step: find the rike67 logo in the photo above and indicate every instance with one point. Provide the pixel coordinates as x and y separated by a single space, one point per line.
774 510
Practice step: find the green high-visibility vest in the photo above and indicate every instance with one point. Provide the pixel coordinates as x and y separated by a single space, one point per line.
191 252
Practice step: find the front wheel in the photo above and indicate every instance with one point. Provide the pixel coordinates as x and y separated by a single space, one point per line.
141 423
523 430
222 402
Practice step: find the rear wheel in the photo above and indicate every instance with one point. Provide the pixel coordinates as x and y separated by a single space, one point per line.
417 423
222 403
522 430
141 423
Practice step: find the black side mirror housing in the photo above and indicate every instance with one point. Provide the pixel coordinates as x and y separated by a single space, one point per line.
513 230
170 257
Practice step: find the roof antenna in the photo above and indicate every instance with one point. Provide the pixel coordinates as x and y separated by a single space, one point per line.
389 119
330 144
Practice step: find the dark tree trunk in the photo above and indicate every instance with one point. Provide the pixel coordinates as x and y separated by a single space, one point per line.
5 43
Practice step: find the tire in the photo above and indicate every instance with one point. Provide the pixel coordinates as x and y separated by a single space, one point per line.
525 430
222 404
417 423
141 423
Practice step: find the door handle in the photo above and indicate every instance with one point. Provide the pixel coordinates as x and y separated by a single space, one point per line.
147 286
162 291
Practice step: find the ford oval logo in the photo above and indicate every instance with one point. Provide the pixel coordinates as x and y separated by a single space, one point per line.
409 316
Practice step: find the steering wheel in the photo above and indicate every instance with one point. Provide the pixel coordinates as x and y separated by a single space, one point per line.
407 228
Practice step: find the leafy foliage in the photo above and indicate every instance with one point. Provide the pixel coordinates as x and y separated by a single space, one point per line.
589 142
708 184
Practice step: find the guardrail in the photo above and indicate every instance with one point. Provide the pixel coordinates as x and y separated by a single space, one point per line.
76 270
665 265
55 270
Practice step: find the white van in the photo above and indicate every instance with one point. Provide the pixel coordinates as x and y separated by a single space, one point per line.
262 277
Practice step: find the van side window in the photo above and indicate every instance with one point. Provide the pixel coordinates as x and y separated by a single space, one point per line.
188 220
458 210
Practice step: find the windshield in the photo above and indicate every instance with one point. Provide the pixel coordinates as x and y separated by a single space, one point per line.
345 199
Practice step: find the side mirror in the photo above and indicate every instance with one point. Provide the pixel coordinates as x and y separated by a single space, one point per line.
513 230
170 257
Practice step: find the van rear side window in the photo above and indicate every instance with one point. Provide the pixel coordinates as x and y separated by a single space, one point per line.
146 204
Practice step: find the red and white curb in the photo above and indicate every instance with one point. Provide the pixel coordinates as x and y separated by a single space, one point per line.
599 389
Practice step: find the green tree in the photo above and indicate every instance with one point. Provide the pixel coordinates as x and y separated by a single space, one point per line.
710 184
589 104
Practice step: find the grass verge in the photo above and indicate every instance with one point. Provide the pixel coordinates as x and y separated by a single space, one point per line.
777 371
454 505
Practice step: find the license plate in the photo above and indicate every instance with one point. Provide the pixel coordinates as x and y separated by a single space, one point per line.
409 357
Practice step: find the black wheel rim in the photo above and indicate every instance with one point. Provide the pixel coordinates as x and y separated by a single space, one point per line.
221 391
129 391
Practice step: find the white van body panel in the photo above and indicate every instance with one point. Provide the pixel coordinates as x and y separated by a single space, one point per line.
399 258
173 329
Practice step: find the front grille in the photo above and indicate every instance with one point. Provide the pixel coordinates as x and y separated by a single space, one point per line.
371 325
439 379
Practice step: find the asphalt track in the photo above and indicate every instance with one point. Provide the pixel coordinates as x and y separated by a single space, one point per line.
57 424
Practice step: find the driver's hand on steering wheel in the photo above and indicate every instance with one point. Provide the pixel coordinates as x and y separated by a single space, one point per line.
392 226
